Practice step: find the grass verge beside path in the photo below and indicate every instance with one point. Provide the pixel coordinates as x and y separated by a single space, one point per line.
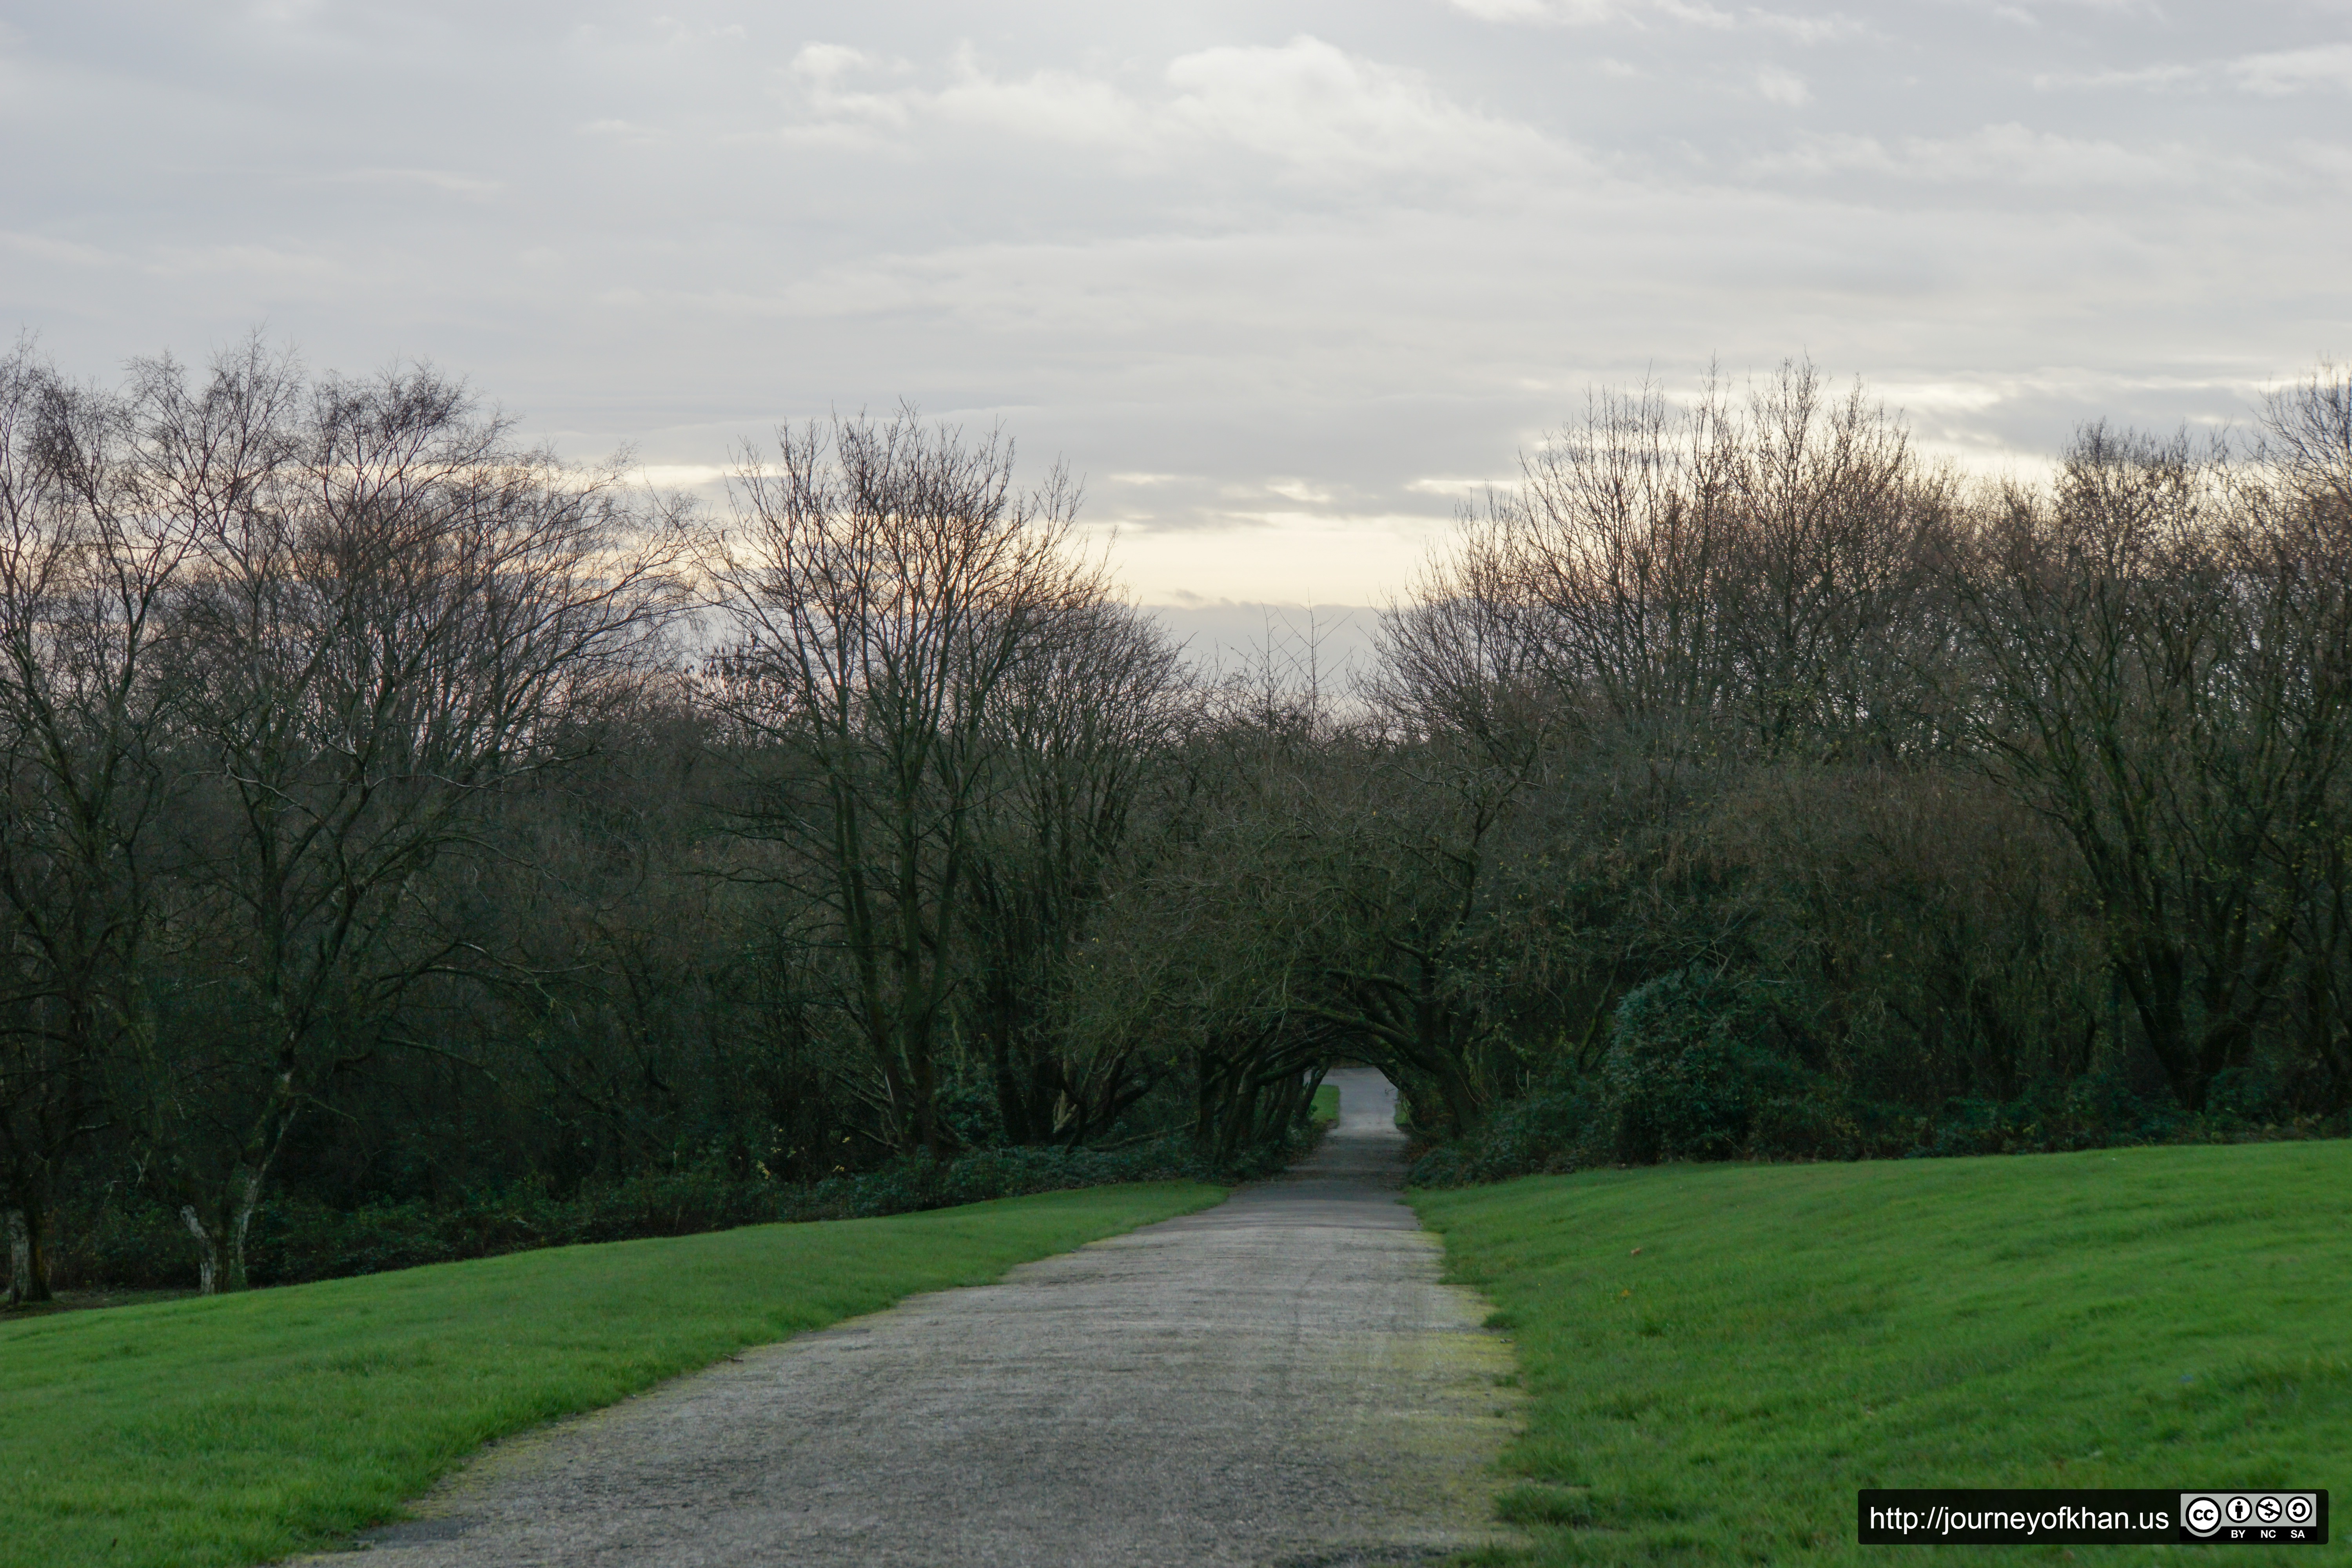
1716 1357
240 1429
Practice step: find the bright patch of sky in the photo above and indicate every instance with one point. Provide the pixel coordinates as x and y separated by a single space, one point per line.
1285 281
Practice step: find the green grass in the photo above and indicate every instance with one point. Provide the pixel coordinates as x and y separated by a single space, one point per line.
1325 1111
239 1428
1716 1357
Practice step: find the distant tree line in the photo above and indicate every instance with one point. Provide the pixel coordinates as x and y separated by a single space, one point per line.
402 823
1805 799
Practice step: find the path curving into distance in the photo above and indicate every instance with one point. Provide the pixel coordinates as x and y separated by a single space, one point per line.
1279 1380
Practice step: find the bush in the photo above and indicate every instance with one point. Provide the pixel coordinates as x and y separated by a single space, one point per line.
1702 1068
916 1182
1545 1133
2096 1111
135 1242
1697 1069
1695 1062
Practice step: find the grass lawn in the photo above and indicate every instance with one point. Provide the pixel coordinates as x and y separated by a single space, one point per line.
240 1429
1716 1357
1325 1111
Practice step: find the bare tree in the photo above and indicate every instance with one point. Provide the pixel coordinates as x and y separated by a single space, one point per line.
1727 565
1211 953
85 564
2164 673
1089 710
2305 460
884 581
2307 445
1466 720
1620 533
397 614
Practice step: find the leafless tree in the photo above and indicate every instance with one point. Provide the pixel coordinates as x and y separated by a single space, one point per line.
84 567
2164 670
1213 951
2304 496
882 581
1083 721
397 612
1620 533
1465 719
1744 563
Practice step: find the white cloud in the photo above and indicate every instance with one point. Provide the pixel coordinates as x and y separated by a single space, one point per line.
1304 105
71 253
1784 87
1696 12
841 116
680 476
1506 10
823 64
1458 489
1051 106
2009 154
2292 70
1314 106
1646 14
1573 13
1942 397
1821 30
2275 74
2146 77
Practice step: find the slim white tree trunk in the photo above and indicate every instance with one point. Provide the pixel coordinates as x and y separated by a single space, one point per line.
239 1224
207 1252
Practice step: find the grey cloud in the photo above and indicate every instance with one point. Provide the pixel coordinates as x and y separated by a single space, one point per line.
1358 254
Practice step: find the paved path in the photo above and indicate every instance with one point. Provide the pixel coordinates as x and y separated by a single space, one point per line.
1277 1380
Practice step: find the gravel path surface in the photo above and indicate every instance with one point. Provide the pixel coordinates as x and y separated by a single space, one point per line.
1279 1380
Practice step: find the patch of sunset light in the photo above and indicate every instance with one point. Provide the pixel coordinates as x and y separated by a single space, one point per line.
1291 558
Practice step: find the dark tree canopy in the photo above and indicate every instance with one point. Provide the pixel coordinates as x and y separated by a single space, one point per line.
414 844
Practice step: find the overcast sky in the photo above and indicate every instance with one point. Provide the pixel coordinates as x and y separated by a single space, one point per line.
1280 279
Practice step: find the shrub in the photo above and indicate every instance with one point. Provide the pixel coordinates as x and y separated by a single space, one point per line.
1694 1061
133 1242
1702 1068
1697 1069
2094 1112
1544 1133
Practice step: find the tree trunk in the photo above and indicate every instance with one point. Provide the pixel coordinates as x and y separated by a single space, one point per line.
1012 1096
22 1281
931 1133
32 1225
207 1251
240 1222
